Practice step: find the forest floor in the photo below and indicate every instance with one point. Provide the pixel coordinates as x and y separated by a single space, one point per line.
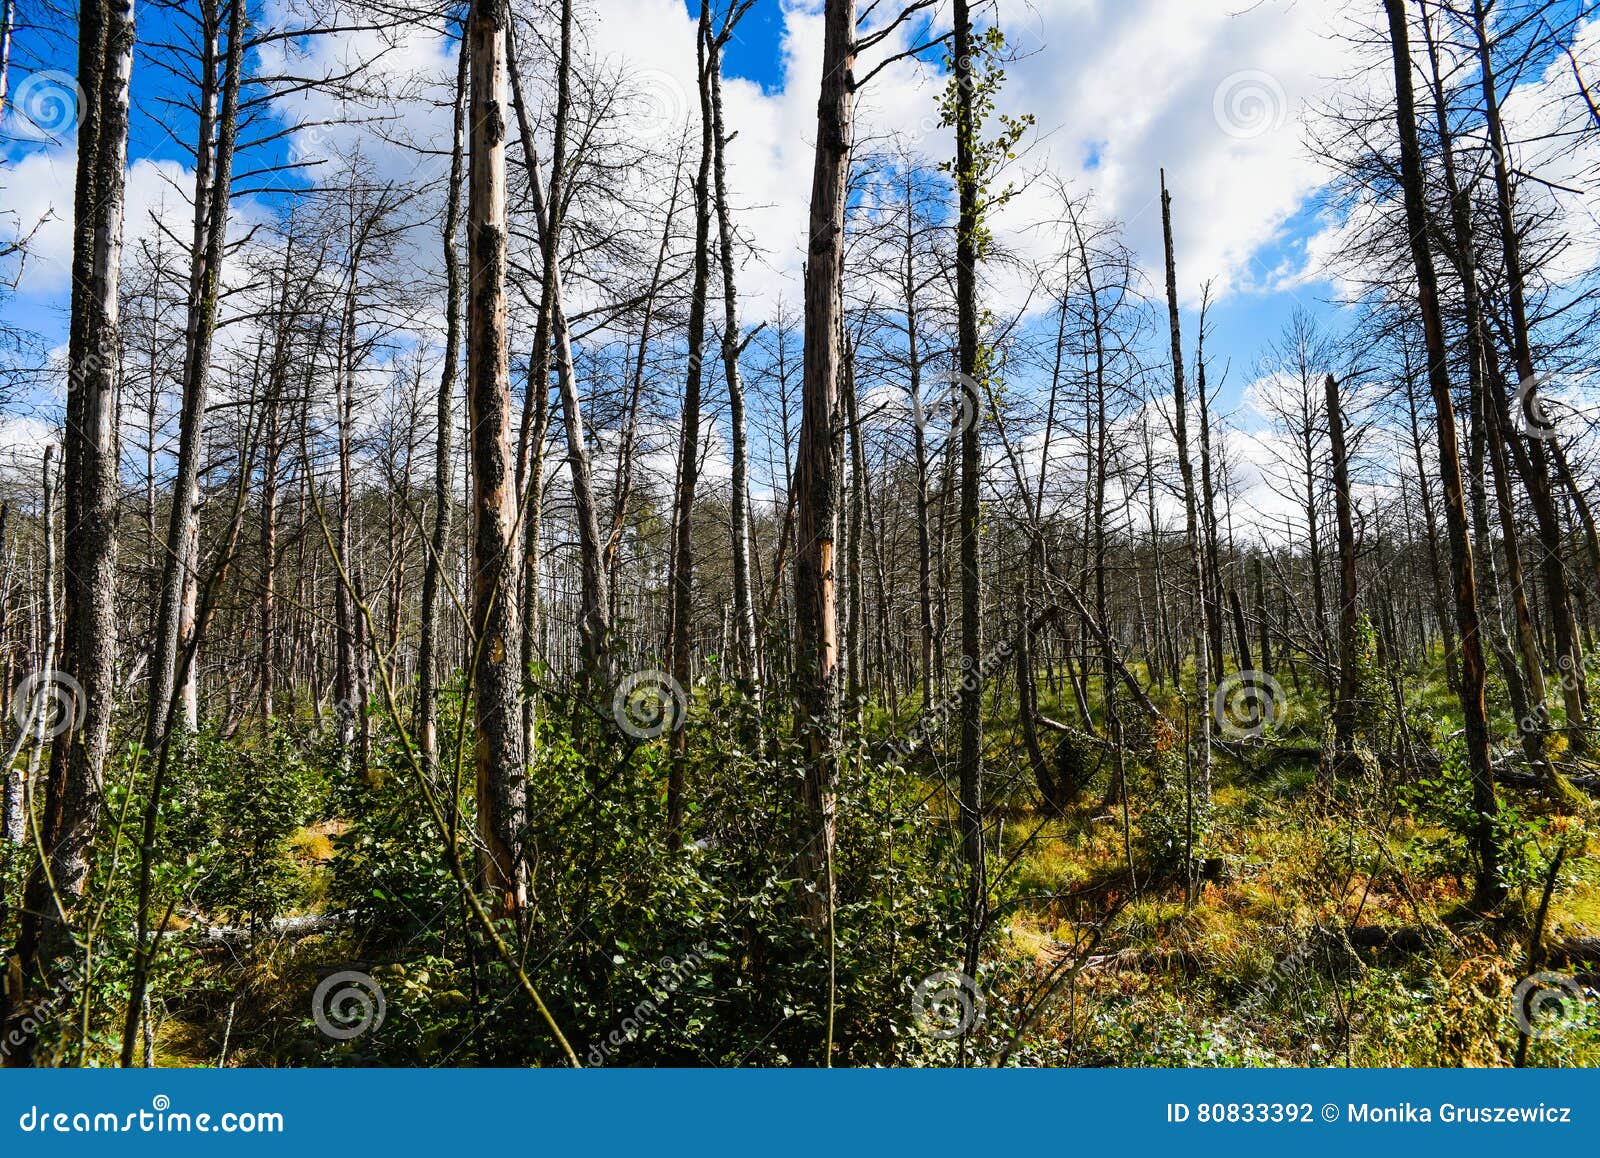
1323 924
1326 926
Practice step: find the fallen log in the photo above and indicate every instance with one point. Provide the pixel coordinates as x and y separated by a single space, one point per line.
281 929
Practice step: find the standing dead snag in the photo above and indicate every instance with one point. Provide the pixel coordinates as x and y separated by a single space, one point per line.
682 567
1344 704
74 793
212 189
594 620
1200 747
816 653
494 672
1533 464
968 178
747 643
439 543
1489 889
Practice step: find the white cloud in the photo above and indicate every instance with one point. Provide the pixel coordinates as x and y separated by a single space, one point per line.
1211 90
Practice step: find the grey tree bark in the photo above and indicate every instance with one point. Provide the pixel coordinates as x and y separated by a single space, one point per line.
496 676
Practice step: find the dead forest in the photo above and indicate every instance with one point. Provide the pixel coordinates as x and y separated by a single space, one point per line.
454 612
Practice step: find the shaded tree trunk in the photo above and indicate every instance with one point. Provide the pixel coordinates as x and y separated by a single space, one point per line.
1344 704
500 791
1488 890
444 409
816 650
1200 747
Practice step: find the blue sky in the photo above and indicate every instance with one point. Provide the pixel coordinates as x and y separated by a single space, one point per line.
1213 90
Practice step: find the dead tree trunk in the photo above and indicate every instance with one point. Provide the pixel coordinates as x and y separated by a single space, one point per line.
682 569
816 652
74 794
1344 704
1569 655
970 764
495 675
439 542
744 617
1489 890
1200 754
212 189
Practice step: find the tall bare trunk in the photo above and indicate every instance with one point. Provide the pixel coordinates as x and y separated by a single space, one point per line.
439 544
1569 655
1489 890
816 653
1200 753
1344 704
682 569
970 764
594 621
74 794
744 616
19 779
496 676
213 187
